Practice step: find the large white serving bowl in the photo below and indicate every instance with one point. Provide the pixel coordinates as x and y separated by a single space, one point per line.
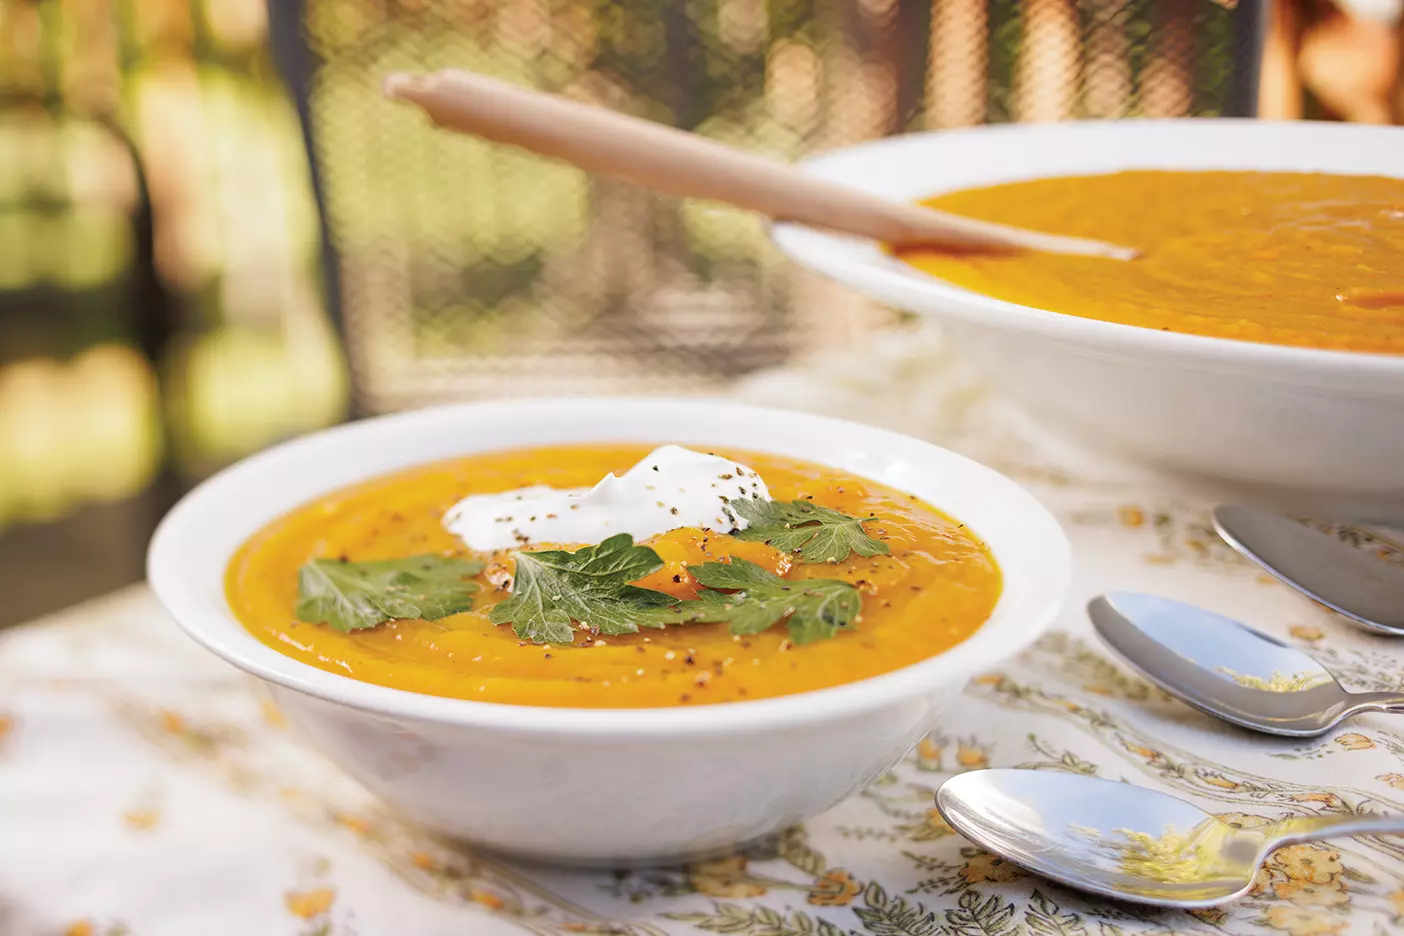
1301 426
600 786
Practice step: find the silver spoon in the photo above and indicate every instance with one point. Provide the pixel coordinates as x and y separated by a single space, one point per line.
1230 671
1125 841
1347 580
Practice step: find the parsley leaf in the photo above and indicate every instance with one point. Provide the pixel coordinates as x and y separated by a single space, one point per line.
351 596
815 608
817 533
554 590
590 586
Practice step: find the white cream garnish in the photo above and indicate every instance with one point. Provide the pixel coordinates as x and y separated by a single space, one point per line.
672 487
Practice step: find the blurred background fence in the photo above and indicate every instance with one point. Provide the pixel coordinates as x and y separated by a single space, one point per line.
467 269
214 234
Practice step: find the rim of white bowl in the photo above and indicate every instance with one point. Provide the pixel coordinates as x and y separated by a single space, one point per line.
860 265
192 590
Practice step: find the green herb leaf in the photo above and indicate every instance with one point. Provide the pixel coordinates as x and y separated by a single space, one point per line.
351 596
589 586
817 533
555 589
813 608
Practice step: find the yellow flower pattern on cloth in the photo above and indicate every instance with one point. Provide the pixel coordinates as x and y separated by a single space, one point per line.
931 753
970 755
1219 780
836 888
141 820
1354 742
724 877
1303 921
310 903
985 868
932 826
1309 875
89 928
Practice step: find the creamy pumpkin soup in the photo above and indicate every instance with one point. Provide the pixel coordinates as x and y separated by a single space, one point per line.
1285 258
614 576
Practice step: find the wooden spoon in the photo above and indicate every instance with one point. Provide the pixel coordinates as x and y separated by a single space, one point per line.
668 160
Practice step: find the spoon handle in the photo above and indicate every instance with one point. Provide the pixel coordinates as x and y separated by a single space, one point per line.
1315 828
668 160
1376 702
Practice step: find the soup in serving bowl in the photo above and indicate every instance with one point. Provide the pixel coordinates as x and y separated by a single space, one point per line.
1255 343
1307 259
466 660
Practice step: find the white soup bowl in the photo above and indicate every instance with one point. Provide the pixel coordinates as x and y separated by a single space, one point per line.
1300 427
608 786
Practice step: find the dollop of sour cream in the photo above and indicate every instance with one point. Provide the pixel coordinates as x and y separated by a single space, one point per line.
672 487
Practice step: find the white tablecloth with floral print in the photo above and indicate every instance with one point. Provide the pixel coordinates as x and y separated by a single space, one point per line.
148 789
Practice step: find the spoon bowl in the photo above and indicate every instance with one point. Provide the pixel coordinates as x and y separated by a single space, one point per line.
1230 671
1124 841
1363 589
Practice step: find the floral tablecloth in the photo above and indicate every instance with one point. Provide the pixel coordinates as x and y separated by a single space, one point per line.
147 789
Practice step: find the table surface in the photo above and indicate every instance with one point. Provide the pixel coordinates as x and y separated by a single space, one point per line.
147 789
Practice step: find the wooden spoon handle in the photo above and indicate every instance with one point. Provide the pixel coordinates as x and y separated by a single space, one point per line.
668 160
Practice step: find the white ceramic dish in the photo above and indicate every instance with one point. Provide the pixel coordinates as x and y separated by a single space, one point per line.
1307 427
607 786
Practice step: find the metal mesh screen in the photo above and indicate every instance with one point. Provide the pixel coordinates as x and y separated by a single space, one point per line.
462 269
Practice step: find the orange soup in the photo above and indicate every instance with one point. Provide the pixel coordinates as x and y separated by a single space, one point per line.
924 585
1301 259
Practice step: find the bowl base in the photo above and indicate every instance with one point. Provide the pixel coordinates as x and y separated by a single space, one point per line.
534 859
